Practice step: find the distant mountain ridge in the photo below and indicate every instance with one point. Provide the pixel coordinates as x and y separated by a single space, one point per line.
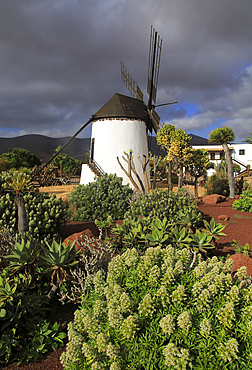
44 147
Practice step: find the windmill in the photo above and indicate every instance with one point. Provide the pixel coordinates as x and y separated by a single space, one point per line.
121 125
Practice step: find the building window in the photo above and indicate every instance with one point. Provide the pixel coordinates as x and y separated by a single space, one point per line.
212 156
222 155
242 152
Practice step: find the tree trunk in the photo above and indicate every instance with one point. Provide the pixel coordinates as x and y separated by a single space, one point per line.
169 176
156 163
196 189
180 177
22 216
154 173
230 171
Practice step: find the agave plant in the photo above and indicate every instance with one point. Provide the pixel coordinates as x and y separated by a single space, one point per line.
57 260
160 231
7 290
23 258
214 229
180 237
200 242
189 219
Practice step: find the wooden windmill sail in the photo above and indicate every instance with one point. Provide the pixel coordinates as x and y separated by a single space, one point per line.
153 73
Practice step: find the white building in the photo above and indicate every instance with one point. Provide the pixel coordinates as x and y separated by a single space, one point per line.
240 153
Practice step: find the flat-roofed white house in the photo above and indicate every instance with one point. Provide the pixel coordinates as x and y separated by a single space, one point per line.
241 153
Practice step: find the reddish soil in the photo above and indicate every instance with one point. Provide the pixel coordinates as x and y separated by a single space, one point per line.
238 227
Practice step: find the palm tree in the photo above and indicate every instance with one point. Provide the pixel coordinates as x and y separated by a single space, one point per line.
248 139
20 183
225 136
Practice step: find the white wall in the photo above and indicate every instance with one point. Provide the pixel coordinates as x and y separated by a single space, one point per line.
113 138
86 175
247 158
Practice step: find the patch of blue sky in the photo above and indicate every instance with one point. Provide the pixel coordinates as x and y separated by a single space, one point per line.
191 108
8 129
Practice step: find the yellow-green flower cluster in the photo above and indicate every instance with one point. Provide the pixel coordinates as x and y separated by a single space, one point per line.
158 295
146 306
184 321
226 314
167 324
175 358
228 351
205 326
178 295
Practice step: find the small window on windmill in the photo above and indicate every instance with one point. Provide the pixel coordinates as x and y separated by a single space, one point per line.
242 152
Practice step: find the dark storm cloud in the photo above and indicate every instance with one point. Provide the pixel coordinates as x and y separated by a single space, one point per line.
60 60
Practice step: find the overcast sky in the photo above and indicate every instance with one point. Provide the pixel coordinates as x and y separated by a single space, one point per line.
60 62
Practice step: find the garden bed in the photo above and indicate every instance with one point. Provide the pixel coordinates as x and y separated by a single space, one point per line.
238 227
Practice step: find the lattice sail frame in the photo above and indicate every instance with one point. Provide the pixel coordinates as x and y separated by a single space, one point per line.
154 64
130 83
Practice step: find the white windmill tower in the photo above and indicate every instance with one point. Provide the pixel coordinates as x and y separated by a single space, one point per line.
122 124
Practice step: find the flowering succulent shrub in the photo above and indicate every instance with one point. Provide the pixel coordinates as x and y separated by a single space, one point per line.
244 204
153 311
46 214
106 196
160 203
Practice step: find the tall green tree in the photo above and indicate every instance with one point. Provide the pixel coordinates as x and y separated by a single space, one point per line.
19 158
225 135
164 138
197 166
180 151
67 164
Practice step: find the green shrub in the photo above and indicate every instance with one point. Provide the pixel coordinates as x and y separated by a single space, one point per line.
244 204
217 185
46 214
25 333
162 203
104 197
155 312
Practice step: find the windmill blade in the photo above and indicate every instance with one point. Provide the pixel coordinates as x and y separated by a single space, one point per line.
63 147
154 64
130 83
155 119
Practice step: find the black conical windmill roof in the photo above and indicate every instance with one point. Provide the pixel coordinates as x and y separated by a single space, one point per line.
122 106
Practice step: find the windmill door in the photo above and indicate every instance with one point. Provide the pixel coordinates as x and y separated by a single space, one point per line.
92 149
